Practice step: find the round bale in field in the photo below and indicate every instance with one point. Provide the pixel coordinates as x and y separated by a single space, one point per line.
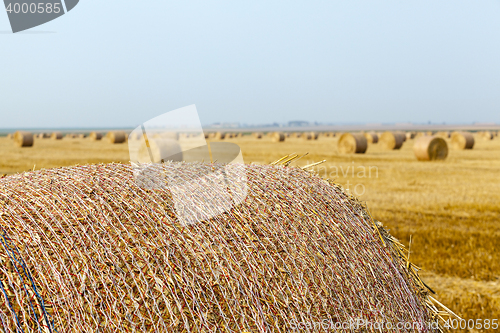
23 139
462 140
485 135
56 136
307 136
95 136
116 137
9 136
220 135
257 135
350 143
97 251
371 137
160 151
430 148
392 140
443 134
410 135
278 137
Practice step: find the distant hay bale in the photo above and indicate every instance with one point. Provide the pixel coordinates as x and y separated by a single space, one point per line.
443 134
82 136
485 135
462 140
371 137
314 135
307 136
220 135
430 148
350 143
410 135
23 139
278 137
165 135
96 136
56 136
257 135
9 136
159 151
87 250
392 140
116 137
70 136
419 134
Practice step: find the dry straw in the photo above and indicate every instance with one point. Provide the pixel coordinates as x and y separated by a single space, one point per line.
350 143
56 136
392 140
371 137
83 249
10 136
462 140
95 136
430 148
23 139
278 137
257 135
116 137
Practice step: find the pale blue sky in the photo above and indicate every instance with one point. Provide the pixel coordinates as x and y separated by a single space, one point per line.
120 63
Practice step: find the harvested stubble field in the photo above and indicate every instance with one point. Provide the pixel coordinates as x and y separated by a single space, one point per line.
449 208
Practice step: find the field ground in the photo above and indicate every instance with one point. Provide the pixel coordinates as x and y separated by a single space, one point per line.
450 209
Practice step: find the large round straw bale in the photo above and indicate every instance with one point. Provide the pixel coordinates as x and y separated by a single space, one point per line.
257 135
350 143
462 140
70 135
98 253
371 137
56 136
95 136
314 135
159 151
23 139
278 137
82 135
430 148
392 140
307 136
9 136
38 136
116 137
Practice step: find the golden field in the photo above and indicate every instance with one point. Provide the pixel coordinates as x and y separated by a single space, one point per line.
450 209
